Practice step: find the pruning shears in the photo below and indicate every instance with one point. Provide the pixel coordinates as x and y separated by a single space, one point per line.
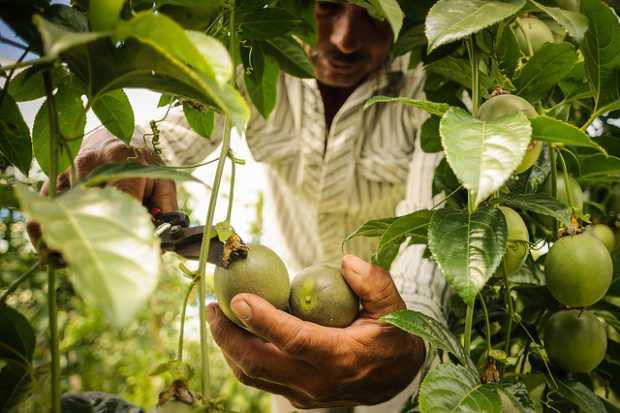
178 236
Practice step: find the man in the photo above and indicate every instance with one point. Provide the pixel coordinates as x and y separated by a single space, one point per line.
331 167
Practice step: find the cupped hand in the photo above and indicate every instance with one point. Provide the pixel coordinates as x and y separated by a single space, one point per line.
314 366
101 148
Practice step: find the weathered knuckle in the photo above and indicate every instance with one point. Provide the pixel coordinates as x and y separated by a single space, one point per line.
296 343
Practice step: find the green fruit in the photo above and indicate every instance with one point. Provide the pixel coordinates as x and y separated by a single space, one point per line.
573 187
174 406
518 241
532 34
575 340
262 273
507 104
604 234
321 295
579 270
104 14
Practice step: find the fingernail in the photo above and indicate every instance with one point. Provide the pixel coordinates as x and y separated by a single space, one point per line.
241 308
355 263
210 310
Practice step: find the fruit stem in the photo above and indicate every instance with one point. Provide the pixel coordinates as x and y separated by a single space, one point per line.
182 327
554 185
487 322
469 322
566 183
508 300
231 193
18 282
204 248
51 271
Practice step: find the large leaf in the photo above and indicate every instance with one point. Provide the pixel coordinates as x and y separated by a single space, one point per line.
576 24
14 135
28 84
201 121
261 80
116 114
215 53
57 40
483 155
450 388
553 130
600 167
450 20
413 226
71 122
108 241
431 330
541 204
433 108
392 12
468 248
371 229
601 50
459 70
17 339
545 69
578 394
290 56
117 171
266 23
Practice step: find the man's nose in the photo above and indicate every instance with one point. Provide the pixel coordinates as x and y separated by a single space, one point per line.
344 35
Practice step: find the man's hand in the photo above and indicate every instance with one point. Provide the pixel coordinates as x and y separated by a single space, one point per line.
314 366
101 148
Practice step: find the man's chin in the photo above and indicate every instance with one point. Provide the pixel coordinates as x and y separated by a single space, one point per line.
339 80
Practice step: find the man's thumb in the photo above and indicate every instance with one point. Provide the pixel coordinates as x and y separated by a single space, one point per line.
373 285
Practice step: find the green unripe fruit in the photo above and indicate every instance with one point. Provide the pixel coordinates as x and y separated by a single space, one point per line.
604 234
518 241
321 295
573 187
507 104
262 273
104 14
579 270
532 34
575 340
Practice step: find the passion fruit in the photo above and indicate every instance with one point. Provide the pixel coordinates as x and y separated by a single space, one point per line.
518 240
262 273
563 190
506 104
579 270
531 34
604 234
575 340
321 295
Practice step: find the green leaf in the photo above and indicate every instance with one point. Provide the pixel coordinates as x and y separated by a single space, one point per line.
431 330
57 40
539 203
392 12
601 50
215 52
28 84
117 171
116 114
552 63
553 130
261 80
483 155
178 369
14 135
433 108
108 241
290 56
17 339
266 23
517 398
450 20
410 39
468 248
459 70
598 166
507 51
578 394
430 139
165 100
371 229
7 197
413 226
576 24
200 120
224 231
450 388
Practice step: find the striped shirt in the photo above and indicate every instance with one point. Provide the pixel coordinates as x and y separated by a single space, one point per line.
324 183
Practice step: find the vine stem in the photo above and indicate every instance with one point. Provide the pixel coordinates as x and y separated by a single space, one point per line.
18 281
569 194
231 194
475 74
204 248
554 184
508 300
486 321
182 328
51 271
17 65
469 322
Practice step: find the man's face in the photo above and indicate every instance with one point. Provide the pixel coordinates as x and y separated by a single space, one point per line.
350 44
